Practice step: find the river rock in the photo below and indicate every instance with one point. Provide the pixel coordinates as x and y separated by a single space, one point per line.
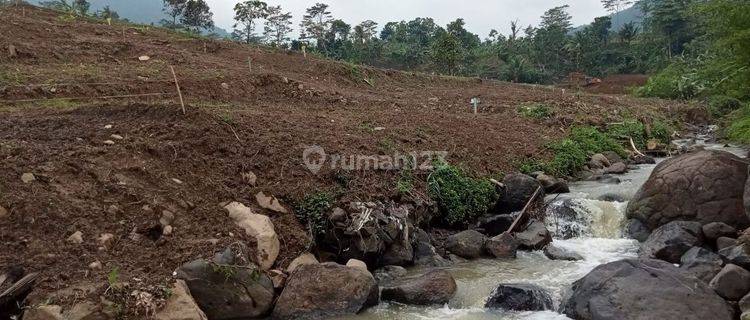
725 242
519 297
670 241
492 225
701 263
635 229
612 156
426 255
705 186
467 244
552 185
732 282
359 264
259 227
3 212
744 303
502 246
567 218
433 287
554 252
599 161
44 312
643 289
180 305
518 190
737 255
389 273
535 237
305 258
318 291
616 168
228 292
639 159
400 252
716 230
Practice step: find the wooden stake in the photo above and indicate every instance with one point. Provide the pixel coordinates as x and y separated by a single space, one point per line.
525 208
250 63
179 93
304 51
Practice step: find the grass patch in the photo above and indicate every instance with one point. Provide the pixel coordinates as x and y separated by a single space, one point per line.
312 211
535 111
405 183
460 198
738 128
720 106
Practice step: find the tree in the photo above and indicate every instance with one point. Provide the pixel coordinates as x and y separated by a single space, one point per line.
81 7
315 23
197 16
174 9
628 32
365 31
75 7
245 13
278 26
551 39
446 52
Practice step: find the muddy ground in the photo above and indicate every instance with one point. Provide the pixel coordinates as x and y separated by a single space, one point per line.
249 109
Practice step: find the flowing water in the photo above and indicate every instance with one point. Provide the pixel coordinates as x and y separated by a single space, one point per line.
597 226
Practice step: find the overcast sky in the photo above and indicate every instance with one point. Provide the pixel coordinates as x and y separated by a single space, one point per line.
481 15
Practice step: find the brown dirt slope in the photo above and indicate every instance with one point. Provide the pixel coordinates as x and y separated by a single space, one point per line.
240 119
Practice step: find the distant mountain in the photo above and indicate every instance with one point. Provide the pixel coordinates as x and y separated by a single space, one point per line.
633 14
139 11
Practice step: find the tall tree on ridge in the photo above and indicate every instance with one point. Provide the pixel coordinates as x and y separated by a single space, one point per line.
197 15
315 24
174 9
245 13
278 26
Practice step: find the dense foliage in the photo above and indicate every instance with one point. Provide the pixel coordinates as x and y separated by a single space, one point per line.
460 198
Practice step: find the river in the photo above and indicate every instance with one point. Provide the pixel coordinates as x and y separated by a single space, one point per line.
599 240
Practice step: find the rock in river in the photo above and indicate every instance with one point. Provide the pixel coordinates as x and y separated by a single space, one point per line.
670 241
518 190
519 297
467 244
433 287
705 186
643 289
319 291
535 237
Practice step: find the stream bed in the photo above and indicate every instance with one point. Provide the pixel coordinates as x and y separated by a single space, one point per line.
598 228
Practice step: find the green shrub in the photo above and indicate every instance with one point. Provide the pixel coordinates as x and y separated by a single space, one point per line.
721 105
528 166
460 198
569 158
738 129
312 211
592 141
535 111
629 129
661 131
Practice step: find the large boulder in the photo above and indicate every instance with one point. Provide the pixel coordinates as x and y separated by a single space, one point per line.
519 297
701 263
427 256
502 246
259 227
317 291
518 190
433 287
227 291
643 289
732 282
467 244
705 186
400 252
670 241
535 237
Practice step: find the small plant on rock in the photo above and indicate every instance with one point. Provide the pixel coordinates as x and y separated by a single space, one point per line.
460 198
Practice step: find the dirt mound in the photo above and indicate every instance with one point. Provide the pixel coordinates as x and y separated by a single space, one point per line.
249 110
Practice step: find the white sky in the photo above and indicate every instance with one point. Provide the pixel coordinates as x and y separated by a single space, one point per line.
481 16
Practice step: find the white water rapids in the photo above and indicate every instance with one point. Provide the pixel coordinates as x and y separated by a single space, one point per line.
599 224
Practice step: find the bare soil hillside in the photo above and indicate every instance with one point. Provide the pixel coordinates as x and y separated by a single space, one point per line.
249 109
